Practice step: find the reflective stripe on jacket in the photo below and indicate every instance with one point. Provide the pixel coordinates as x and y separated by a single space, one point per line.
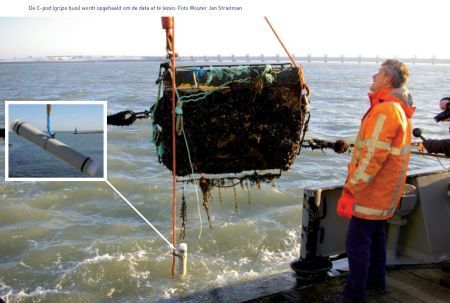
377 171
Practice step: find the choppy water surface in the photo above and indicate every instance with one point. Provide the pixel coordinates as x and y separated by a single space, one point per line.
27 160
79 242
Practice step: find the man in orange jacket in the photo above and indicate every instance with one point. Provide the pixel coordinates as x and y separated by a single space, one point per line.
375 181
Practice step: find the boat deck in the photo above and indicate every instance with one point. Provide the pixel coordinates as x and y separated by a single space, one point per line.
404 285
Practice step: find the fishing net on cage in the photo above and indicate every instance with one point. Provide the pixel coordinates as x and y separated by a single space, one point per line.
232 119
235 125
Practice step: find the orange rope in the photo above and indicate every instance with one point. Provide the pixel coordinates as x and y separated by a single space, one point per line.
300 68
281 42
169 25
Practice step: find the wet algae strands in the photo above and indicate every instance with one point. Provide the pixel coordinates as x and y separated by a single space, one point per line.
234 118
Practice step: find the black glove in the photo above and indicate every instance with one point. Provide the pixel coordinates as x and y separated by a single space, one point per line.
437 146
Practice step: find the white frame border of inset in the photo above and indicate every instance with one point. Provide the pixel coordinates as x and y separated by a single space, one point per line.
80 179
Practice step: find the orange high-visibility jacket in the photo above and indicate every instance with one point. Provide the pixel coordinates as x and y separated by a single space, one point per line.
377 171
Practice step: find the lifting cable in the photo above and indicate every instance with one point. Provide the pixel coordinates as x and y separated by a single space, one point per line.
300 68
305 88
180 129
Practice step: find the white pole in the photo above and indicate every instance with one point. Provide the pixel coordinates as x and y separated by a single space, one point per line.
182 255
56 147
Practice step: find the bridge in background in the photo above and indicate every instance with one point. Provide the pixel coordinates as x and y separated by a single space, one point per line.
224 58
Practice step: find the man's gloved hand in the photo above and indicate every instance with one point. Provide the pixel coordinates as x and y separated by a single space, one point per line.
437 146
443 105
345 204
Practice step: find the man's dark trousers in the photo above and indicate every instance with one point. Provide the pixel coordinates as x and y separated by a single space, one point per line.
366 251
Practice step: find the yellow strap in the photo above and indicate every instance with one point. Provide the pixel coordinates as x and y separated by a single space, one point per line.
396 151
373 211
371 145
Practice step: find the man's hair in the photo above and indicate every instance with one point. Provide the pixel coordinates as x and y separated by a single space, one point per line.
398 71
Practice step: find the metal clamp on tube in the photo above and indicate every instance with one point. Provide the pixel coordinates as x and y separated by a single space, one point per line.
55 147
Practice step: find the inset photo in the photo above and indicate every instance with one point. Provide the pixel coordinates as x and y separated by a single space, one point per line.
55 140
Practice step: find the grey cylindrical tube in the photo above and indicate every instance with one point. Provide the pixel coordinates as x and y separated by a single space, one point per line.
182 255
56 147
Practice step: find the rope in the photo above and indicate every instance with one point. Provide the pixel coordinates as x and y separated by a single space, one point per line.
224 73
194 180
305 127
300 69
156 132
49 127
199 94
265 74
140 214
180 129
281 42
203 95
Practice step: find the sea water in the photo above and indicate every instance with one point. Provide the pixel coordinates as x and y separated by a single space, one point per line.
79 242
27 160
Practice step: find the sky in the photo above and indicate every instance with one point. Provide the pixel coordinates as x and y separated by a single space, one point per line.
348 27
64 117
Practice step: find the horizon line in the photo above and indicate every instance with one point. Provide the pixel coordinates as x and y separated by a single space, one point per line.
246 57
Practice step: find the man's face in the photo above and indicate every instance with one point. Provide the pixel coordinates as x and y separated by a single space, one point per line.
380 80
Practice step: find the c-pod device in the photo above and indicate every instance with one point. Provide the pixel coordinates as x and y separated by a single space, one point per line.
182 255
56 147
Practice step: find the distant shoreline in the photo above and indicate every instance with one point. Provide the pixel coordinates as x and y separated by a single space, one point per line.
228 59
78 61
87 132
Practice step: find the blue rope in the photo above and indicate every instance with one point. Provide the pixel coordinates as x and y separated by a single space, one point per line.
49 127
